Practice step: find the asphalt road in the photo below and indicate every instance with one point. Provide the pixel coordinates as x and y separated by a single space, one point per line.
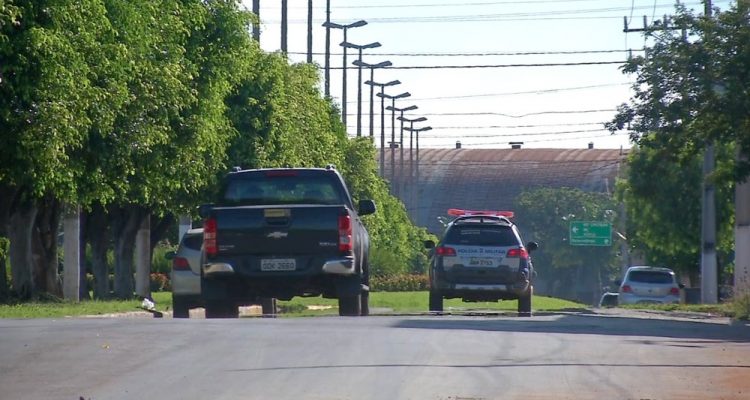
558 356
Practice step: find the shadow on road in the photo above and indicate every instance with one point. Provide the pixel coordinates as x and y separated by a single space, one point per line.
589 324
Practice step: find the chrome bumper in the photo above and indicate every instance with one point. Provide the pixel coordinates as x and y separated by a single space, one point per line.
344 266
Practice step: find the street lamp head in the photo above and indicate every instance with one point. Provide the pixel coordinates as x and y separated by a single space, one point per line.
360 47
391 83
398 96
391 108
344 26
420 119
368 65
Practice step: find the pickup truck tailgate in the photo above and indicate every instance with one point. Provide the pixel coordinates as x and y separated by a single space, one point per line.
278 231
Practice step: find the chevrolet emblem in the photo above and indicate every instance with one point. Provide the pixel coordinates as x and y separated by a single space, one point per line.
277 235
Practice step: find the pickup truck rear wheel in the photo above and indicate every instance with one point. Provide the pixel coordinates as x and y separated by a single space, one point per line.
350 306
268 305
436 301
524 303
180 307
221 309
365 303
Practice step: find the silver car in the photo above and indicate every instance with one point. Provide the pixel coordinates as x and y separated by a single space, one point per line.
644 284
186 278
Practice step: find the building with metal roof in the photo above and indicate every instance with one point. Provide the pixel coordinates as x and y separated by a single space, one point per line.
431 181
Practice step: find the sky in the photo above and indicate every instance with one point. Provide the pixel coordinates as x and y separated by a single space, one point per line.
491 96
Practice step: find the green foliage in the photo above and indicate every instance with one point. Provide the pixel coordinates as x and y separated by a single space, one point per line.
692 91
544 215
741 307
662 197
400 283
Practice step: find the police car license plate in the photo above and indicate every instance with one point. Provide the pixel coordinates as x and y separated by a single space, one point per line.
481 262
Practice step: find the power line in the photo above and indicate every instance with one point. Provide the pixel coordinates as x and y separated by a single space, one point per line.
483 54
522 115
514 134
505 16
569 64
528 141
473 4
513 126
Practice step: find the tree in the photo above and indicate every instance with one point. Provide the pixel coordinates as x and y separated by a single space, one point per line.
663 204
574 272
51 52
692 90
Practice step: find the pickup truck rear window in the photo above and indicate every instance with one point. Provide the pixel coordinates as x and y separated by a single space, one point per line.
257 189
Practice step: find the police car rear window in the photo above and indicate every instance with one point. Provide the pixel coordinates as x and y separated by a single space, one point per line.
481 236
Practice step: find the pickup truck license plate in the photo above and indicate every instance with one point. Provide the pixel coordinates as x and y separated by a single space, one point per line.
278 264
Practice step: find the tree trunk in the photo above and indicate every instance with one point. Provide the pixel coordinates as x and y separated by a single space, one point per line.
125 223
20 233
83 289
8 200
97 234
44 247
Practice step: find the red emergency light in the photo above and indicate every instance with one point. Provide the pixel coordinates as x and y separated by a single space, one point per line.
458 212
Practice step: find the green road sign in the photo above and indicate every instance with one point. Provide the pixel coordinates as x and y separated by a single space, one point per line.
590 233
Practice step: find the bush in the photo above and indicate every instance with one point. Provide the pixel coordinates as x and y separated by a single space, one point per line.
159 262
385 263
400 283
160 282
741 307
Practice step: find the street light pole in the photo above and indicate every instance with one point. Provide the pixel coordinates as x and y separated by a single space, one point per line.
344 28
416 185
382 119
411 185
372 68
401 146
393 129
358 63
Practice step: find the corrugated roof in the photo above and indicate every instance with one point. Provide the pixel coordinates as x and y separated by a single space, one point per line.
492 178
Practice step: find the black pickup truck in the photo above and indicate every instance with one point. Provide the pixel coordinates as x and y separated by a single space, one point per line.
282 233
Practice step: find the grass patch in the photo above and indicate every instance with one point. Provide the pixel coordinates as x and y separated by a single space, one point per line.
410 302
56 308
724 309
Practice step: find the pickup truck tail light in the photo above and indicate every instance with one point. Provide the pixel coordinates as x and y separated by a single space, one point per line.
518 253
345 234
445 251
209 237
180 264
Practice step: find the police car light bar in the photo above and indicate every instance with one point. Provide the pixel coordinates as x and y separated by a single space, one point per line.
457 212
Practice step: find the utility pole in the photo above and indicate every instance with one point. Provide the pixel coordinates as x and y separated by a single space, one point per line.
709 270
309 31
284 25
382 119
742 223
327 66
256 25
